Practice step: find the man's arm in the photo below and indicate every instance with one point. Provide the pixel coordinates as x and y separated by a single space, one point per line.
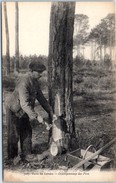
44 103
24 101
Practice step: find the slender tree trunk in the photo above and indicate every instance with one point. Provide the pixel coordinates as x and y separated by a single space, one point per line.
100 49
83 51
60 62
77 32
104 51
16 37
7 41
110 46
92 50
78 50
110 52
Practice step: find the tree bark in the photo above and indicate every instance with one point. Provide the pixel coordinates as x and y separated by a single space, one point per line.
60 62
16 37
7 41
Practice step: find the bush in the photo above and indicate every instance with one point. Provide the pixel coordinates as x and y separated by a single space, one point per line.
81 63
107 61
78 61
9 83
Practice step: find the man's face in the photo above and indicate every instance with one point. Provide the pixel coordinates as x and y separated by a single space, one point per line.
36 74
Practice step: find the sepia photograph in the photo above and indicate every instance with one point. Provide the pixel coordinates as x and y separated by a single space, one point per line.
58 91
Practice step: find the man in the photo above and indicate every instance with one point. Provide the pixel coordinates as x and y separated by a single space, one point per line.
21 113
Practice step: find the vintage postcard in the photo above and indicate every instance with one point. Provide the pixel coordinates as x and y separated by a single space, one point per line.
59 91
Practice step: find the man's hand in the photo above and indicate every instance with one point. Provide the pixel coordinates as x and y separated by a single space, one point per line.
54 117
40 119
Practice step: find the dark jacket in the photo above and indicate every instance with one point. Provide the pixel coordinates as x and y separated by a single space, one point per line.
23 98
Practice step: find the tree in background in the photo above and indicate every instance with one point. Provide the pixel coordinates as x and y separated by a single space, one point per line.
7 41
109 25
104 35
16 68
80 31
60 61
96 36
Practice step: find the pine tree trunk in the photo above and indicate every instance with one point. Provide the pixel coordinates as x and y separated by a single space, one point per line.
78 50
7 41
16 37
60 62
110 47
83 51
92 50
104 51
100 49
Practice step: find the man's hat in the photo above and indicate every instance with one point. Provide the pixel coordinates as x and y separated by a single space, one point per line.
37 66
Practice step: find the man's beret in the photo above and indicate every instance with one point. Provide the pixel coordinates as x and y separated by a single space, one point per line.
37 66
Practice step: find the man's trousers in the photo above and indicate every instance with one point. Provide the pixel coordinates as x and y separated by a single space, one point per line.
18 129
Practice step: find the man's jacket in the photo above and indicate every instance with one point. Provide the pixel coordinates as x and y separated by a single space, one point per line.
23 98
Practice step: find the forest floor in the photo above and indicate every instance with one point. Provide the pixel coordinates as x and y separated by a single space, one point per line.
95 118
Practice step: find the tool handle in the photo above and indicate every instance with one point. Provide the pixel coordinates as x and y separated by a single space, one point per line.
48 126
